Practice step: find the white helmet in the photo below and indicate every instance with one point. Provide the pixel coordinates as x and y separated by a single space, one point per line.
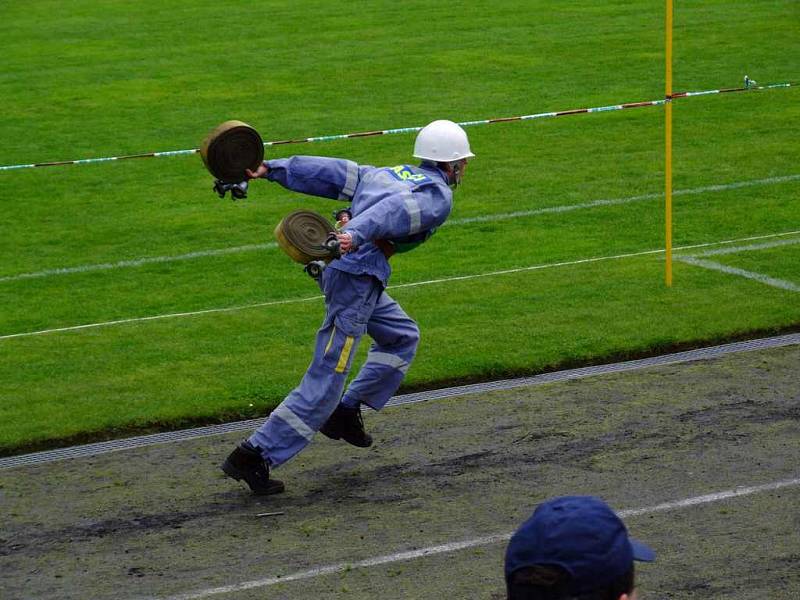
442 141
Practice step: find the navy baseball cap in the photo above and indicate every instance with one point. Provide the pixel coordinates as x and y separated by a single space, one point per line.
580 534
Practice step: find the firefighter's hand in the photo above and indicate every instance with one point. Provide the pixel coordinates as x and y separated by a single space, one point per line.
345 242
259 172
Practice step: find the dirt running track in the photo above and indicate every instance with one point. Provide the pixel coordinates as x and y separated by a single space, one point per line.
162 521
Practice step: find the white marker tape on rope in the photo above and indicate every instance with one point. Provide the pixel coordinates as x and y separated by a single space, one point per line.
362 134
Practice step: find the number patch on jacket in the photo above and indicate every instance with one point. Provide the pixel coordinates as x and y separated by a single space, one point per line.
404 173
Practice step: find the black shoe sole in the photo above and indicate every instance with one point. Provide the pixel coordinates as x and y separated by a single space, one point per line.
329 434
273 486
336 435
360 444
365 444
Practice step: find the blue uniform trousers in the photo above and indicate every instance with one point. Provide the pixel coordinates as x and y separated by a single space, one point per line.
356 304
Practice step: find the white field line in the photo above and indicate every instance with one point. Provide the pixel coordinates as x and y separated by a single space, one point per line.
394 287
616 201
759 277
472 543
138 262
156 317
749 248
737 241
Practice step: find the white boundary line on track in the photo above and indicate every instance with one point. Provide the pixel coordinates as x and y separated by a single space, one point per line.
138 262
394 287
472 543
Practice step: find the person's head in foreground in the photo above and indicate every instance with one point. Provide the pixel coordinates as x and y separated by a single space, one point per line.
573 548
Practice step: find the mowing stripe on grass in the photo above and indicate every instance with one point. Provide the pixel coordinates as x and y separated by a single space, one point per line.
138 262
759 277
449 547
394 287
183 435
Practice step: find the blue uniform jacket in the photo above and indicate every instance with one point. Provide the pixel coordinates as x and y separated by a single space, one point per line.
398 204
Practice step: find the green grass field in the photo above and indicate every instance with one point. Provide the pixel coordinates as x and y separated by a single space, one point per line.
86 79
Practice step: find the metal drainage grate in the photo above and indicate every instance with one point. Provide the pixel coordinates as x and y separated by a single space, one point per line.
464 390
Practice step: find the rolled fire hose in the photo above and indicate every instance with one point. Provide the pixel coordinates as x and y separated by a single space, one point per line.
230 149
302 235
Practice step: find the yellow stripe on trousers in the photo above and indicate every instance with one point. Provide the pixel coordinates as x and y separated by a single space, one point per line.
348 345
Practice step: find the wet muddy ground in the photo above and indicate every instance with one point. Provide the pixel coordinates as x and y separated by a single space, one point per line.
163 521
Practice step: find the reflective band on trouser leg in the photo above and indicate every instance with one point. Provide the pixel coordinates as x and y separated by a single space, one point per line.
390 360
375 384
286 415
292 425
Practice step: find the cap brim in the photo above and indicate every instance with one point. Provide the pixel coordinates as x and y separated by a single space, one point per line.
642 552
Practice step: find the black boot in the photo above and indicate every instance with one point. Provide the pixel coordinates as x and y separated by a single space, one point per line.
347 424
246 462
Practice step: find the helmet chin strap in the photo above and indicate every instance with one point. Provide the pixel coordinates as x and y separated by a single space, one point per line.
454 171
457 171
